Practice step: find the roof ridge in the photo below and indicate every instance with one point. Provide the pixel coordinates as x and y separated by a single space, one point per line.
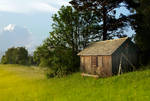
114 39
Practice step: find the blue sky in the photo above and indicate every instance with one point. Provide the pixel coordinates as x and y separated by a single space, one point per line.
28 22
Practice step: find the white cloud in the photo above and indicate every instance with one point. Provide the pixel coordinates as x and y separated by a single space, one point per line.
28 6
9 27
16 36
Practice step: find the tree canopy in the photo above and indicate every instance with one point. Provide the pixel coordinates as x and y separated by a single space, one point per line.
105 11
140 22
17 55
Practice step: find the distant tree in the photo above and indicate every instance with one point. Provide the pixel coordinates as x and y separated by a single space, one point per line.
105 11
31 60
21 56
17 55
3 60
9 55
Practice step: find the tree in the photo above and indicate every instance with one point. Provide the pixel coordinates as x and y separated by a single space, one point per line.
42 56
3 60
105 10
21 56
31 60
17 55
73 30
141 24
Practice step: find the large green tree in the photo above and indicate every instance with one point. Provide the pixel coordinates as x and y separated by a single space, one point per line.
105 10
73 29
141 24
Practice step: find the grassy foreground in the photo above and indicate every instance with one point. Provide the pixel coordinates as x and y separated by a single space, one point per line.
19 83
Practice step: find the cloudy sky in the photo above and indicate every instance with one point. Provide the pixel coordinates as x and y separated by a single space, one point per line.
26 22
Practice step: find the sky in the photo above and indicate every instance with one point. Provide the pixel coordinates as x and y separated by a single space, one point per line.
28 22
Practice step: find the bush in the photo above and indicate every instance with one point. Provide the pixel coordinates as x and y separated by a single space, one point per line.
50 74
59 60
63 62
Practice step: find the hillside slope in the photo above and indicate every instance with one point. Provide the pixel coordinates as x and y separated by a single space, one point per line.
19 83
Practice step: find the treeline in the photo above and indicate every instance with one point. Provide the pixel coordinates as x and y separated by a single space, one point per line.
75 27
17 55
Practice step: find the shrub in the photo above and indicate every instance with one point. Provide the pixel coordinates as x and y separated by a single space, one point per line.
59 60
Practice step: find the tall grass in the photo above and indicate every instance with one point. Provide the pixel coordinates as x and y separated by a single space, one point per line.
19 83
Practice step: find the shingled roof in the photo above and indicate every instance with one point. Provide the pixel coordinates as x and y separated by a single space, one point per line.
103 47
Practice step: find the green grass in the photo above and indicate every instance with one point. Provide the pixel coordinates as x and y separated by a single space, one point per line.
19 83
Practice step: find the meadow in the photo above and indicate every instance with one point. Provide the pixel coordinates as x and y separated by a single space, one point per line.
21 83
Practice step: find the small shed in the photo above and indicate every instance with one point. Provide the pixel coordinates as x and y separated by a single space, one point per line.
111 57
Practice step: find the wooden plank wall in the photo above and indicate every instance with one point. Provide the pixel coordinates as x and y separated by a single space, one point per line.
101 65
85 64
106 66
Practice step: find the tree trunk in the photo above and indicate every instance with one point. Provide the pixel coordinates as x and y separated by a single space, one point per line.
104 23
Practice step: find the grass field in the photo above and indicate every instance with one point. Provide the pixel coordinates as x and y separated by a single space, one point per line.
19 83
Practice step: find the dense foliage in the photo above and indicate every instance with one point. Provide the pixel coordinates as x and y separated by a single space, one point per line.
17 55
141 25
74 29
106 10
58 60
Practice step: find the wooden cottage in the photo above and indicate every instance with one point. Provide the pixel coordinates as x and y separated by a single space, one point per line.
111 57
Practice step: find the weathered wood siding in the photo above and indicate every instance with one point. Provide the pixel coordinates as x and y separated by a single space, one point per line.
100 65
107 65
85 65
130 51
